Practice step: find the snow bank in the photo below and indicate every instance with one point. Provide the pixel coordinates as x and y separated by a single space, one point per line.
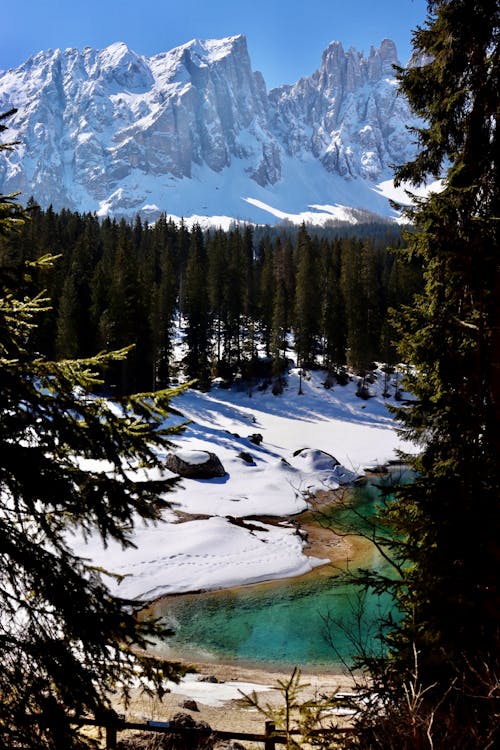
218 548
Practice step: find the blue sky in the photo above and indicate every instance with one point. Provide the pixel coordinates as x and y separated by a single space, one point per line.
285 37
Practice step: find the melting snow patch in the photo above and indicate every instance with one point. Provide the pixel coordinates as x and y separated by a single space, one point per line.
214 694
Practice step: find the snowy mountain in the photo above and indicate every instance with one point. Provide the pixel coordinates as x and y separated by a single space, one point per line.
194 132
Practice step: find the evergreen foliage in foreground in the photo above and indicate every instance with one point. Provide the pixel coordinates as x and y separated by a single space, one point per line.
68 466
440 686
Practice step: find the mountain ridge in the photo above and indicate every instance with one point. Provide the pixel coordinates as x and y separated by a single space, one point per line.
194 131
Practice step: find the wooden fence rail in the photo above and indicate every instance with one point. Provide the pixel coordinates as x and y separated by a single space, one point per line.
270 738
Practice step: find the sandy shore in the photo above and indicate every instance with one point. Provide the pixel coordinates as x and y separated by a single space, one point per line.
231 715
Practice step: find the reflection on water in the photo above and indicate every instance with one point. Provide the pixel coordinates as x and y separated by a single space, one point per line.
287 622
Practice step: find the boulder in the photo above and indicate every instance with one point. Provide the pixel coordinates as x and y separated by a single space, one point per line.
323 466
246 457
195 464
255 438
317 459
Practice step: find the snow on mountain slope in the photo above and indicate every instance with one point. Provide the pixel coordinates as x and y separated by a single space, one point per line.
193 131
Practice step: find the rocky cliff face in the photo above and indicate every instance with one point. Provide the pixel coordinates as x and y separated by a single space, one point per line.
114 132
347 114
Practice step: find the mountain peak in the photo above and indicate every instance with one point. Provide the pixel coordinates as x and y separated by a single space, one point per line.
193 130
114 53
211 51
126 68
386 56
389 55
216 49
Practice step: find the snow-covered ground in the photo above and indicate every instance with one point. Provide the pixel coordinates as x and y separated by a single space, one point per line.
306 193
222 546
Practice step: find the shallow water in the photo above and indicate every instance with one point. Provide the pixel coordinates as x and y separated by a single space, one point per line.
313 621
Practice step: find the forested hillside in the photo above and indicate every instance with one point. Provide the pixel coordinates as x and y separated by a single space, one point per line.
242 298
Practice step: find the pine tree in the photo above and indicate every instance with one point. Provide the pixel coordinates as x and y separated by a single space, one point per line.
164 301
65 641
449 518
75 335
266 292
67 335
100 288
235 276
279 330
196 310
125 314
249 307
217 291
333 312
307 299
353 285
282 304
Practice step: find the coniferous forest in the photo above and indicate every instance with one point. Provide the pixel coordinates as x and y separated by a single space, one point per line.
240 298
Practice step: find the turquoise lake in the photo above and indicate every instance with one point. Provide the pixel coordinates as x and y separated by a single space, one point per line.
312 621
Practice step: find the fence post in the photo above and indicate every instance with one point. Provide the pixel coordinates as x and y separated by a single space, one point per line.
111 737
269 743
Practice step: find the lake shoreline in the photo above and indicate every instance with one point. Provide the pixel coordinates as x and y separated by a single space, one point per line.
323 544
332 554
231 715
337 552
